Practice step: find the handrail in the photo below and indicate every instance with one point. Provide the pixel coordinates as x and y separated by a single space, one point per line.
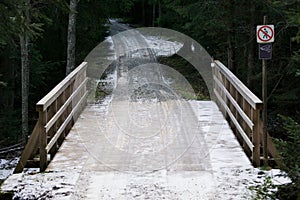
251 98
58 111
241 108
60 88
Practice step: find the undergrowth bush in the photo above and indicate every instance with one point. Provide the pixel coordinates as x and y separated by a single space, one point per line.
290 152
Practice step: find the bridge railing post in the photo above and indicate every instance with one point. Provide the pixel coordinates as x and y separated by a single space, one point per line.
248 111
256 139
42 138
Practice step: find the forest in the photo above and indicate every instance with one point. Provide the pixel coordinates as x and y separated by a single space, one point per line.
35 52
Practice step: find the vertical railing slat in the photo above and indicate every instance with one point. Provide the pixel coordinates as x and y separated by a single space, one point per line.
256 137
43 139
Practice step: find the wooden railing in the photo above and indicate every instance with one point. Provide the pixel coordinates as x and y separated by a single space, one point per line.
242 109
58 111
60 108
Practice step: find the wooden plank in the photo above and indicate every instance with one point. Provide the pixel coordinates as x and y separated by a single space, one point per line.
239 128
63 126
81 106
64 107
29 149
247 111
226 83
235 104
55 92
247 108
50 112
43 141
256 138
253 100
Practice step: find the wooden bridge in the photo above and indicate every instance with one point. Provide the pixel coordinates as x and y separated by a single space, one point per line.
61 107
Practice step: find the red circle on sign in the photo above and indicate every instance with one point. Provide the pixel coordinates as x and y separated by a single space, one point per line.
269 36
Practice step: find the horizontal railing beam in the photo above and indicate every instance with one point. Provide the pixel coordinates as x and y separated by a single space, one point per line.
66 122
45 102
235 104
237 125
64 107
252 99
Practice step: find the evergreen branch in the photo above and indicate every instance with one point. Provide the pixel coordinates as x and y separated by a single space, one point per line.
275 87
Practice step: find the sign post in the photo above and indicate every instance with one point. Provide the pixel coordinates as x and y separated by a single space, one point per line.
265 35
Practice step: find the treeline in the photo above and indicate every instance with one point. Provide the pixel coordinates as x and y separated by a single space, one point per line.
227 30
42 27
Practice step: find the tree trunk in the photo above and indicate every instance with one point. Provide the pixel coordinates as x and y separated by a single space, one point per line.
7 76
231 37
143 13
251 48
231 54
24 45
71 37
159 13
24 42
153 14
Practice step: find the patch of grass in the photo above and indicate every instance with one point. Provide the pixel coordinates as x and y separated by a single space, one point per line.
265 190
191 74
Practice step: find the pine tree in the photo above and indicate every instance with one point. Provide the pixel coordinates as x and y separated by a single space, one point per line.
71 36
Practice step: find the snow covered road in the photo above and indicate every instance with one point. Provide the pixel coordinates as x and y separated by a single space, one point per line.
151 144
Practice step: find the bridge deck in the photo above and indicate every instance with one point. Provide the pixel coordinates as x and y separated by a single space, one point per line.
92 165
88 140
113 170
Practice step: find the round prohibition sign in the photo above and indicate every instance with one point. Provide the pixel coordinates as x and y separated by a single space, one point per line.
265 33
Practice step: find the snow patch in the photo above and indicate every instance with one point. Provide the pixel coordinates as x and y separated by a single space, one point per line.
163 47
278 177
111 48
157 185
7 167
42 185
